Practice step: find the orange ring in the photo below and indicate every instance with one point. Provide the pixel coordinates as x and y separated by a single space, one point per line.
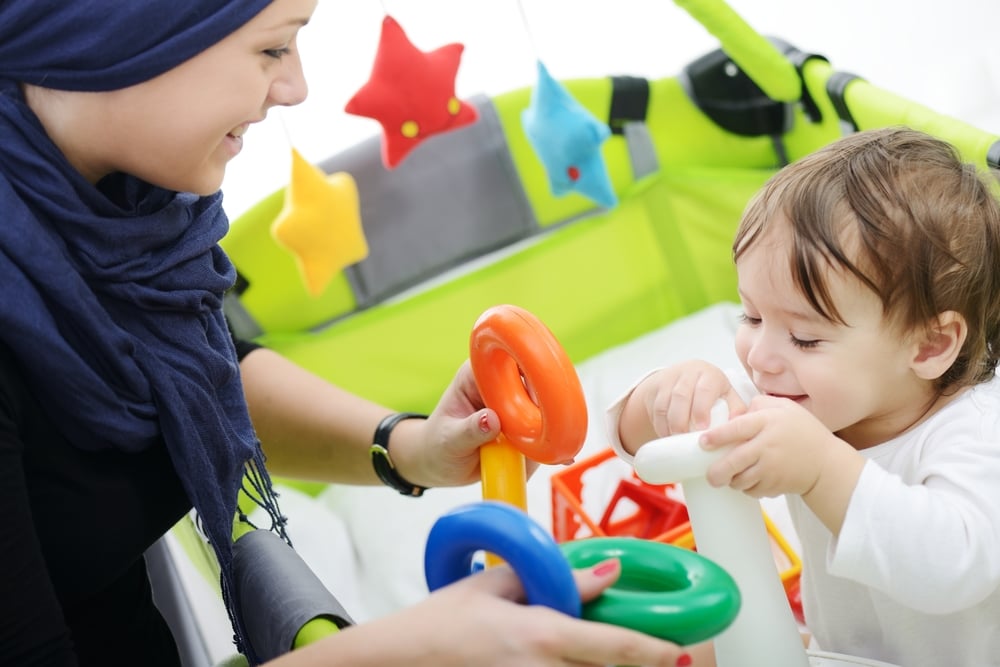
509 343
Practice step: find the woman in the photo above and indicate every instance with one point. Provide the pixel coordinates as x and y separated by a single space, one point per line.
121 400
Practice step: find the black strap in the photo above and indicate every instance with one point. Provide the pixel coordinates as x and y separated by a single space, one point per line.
993 155
836 87
800 59
382 462
629 101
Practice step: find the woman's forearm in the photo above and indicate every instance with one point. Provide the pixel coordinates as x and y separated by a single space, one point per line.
310 428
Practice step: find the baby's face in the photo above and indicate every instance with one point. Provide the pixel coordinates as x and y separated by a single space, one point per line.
856 378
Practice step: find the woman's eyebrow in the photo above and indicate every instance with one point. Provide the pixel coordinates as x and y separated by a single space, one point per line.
294 22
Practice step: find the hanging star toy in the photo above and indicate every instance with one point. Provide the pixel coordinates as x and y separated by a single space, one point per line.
411 93
567 139
320 223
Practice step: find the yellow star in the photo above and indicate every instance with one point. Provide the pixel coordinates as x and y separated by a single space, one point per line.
320 223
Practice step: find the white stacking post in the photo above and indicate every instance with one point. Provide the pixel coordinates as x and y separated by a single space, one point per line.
729 529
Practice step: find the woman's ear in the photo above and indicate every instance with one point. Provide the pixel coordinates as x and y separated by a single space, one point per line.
938 345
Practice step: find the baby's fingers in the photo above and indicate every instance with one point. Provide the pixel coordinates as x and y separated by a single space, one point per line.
728 469
736 431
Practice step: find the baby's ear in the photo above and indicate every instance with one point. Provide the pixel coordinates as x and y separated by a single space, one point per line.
939 346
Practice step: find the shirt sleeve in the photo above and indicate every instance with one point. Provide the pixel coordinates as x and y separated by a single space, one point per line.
932 498
613 415
32 628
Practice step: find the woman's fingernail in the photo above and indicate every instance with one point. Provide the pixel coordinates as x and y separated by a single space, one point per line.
605 568
684 660
484 423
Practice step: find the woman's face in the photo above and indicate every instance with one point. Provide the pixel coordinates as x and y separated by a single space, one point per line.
180 129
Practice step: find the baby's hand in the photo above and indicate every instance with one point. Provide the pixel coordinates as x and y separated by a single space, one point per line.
780 448
682 397
674 400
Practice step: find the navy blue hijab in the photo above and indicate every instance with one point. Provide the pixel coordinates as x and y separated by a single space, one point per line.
110 295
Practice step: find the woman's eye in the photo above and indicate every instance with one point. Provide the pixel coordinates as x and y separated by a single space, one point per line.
278 54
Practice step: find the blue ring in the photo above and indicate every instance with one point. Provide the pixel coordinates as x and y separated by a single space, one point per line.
509 533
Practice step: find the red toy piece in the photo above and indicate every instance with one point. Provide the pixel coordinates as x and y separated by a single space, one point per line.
411 93
655 512
646 511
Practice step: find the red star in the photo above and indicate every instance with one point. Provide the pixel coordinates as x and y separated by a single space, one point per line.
410 93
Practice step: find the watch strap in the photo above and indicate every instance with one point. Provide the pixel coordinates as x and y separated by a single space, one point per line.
382 462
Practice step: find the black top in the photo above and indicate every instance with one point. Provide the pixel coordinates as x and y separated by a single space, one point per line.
73 581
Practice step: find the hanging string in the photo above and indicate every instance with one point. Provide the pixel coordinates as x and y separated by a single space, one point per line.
527 30
530 36
284 127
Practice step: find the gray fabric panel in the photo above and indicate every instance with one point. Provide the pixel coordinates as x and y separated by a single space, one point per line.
641 150
278 593
455 197
240 320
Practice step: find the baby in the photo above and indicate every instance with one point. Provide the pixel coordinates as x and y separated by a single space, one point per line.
869 275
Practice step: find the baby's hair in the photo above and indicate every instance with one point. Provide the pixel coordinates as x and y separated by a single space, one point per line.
898 210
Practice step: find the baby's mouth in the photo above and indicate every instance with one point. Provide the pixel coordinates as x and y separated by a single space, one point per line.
798 398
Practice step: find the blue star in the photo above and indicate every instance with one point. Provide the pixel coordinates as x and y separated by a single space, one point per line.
567 139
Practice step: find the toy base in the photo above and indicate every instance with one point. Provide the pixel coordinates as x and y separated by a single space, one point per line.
824 659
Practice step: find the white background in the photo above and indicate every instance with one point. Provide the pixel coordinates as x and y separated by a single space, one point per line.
936 52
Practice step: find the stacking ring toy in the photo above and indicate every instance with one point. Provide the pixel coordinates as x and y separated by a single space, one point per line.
664 590
507 343
510 352
510 533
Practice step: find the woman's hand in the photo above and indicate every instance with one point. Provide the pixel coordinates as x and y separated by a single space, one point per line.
481 621
444 449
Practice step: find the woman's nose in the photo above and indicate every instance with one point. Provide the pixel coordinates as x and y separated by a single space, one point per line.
290 88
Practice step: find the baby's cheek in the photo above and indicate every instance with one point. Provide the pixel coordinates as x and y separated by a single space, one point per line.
742 344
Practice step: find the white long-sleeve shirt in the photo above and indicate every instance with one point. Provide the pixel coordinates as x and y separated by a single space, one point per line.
914 576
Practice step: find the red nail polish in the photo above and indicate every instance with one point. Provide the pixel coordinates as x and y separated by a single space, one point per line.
684 660
605 568
484 423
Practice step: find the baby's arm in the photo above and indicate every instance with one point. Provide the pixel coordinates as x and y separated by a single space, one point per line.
777 447
928 532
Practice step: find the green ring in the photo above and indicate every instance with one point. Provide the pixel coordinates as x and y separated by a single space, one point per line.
664 590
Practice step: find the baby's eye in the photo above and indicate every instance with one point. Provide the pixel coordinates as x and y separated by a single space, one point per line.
749 321
803 344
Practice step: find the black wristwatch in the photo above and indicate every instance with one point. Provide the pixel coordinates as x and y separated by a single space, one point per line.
381 460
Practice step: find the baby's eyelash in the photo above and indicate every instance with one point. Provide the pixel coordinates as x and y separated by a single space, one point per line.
803 344
797 342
